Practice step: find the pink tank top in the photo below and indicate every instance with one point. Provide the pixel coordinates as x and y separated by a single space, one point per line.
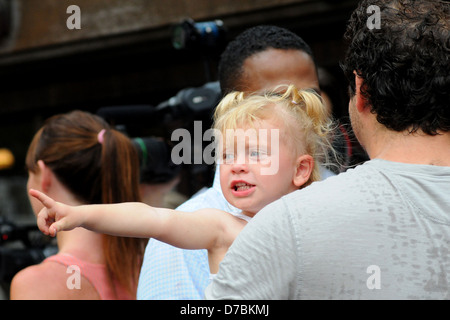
96 274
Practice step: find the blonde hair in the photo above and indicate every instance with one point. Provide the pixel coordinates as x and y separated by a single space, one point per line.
308 124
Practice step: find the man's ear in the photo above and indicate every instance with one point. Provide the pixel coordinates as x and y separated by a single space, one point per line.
360 100
303 169
46 176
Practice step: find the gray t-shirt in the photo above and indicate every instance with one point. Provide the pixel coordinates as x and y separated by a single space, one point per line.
379 231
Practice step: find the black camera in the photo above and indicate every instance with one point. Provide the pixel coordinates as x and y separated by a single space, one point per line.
20 247
198 35
188 103
208 39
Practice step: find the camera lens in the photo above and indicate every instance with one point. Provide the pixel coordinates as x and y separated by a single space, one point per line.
190 34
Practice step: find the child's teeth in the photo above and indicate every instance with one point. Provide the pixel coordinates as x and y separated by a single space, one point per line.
241 186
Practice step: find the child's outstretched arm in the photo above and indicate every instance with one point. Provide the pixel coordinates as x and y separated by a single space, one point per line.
202 229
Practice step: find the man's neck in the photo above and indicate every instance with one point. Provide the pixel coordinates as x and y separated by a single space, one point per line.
414 148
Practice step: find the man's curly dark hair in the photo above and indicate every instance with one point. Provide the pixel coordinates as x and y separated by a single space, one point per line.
404 64
250 42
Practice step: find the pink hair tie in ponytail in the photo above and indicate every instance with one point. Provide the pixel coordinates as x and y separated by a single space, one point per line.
100 136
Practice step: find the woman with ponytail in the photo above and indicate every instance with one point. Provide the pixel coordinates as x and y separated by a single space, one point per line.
77 158
268 144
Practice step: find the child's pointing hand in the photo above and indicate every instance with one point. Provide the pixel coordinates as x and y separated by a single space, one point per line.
54 216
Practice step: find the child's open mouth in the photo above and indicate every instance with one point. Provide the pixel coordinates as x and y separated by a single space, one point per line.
242 188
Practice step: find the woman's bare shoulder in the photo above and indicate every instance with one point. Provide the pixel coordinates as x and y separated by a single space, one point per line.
49 281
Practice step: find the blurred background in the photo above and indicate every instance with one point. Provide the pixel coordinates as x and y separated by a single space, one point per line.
133 54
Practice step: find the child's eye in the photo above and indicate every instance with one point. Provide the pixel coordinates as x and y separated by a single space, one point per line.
254 154
258 154
228 157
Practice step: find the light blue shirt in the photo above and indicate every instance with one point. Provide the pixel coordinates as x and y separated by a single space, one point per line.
170 273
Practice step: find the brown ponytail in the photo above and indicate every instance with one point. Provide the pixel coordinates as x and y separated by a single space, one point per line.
120 178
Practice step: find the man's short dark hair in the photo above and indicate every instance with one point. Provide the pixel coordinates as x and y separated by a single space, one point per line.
250 42
404 63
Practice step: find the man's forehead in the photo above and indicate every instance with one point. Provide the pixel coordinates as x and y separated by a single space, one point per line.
273 67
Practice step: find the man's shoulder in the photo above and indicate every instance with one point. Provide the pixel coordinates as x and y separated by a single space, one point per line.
350 178
344 189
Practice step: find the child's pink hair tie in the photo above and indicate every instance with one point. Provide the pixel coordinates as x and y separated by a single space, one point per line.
100 136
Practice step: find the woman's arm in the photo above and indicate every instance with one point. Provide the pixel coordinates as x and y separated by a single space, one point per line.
202 229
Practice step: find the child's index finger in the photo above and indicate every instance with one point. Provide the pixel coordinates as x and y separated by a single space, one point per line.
46 201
